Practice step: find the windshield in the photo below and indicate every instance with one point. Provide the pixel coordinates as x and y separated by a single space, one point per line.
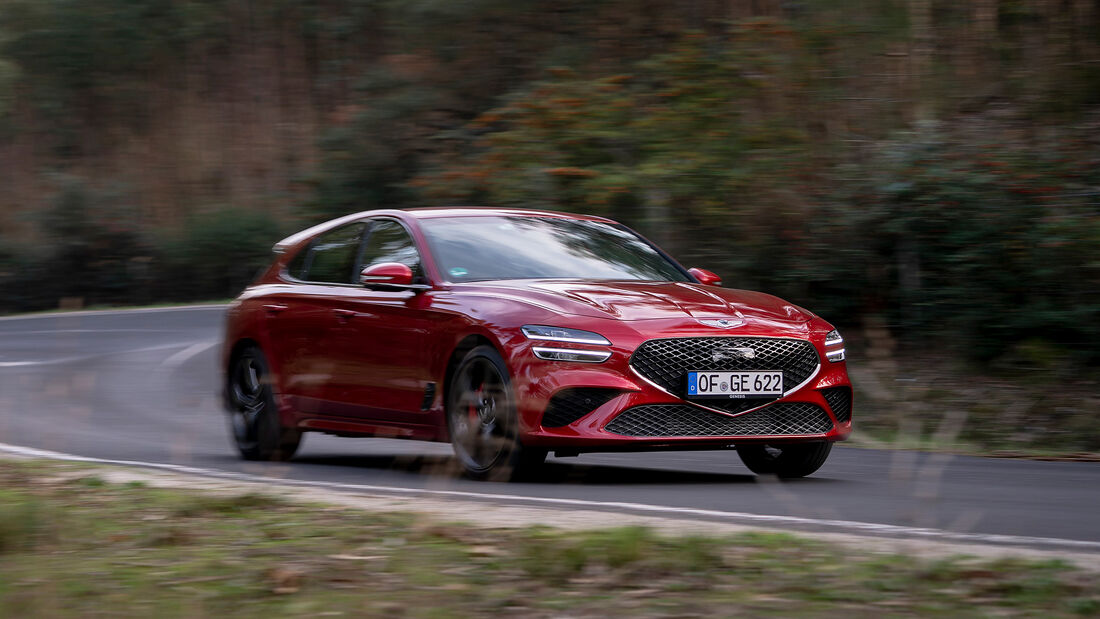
481 248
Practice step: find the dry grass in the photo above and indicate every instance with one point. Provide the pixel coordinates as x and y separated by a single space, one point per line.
75 545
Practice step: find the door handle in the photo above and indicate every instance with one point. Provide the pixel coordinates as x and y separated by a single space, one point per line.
344 315
274 309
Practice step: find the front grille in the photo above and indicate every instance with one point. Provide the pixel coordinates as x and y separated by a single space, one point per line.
840 400
661 420
569 405
734 406
666 362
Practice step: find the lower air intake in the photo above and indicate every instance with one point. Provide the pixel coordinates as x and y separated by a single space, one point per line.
840 400
569 405
668 420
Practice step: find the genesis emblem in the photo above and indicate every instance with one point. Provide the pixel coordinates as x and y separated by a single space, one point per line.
723 323
728 353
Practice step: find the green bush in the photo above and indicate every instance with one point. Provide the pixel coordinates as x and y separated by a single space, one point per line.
954 240
217 254
982 245
89 246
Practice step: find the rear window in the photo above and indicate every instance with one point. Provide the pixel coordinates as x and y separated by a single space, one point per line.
330 258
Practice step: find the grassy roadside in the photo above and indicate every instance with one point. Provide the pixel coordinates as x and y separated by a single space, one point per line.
72 544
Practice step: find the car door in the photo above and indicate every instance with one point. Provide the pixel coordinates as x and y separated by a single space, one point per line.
303 313
382 344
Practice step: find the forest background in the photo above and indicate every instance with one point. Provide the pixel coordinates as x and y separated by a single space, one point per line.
923 173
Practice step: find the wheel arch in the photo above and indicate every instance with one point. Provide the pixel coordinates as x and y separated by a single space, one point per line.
238 347
464 346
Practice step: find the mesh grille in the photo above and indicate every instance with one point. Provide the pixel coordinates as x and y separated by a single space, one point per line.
840 400
666 362
735 406
784 419
569 405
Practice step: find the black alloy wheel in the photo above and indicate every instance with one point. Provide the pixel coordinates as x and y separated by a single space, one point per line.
787 461
482 420
253 414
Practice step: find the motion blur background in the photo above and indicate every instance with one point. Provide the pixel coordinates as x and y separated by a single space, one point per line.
923 173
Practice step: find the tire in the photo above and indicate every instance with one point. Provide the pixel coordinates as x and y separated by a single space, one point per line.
253 414
787 461
482 420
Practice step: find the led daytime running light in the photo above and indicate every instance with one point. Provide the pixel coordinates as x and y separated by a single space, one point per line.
570 354
561 334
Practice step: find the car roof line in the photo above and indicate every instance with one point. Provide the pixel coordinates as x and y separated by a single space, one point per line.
427 212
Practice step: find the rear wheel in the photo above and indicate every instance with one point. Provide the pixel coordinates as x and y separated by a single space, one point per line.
785 460
482 420
253 415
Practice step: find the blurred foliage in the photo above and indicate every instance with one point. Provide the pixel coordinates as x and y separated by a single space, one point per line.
975 244
95 251
217 254
89 62
9 75
957 239
370 160
929 165
672 144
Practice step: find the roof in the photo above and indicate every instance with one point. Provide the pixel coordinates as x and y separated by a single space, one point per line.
476 211
429 213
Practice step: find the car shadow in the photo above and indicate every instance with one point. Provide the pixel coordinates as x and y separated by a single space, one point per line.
553 472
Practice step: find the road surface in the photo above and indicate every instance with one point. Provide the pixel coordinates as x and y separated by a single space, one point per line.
140 386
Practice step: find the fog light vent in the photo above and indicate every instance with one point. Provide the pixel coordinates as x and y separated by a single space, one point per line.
840 400
569 405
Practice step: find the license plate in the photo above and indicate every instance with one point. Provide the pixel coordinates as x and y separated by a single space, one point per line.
752 384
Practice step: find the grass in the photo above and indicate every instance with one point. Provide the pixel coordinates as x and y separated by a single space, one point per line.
78 546
940 404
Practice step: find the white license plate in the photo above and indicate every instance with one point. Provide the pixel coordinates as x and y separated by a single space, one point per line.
752 384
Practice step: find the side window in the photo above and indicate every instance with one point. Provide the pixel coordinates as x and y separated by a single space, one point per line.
390 242
297 266
330 258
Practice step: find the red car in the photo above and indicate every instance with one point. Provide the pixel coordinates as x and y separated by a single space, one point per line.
512 333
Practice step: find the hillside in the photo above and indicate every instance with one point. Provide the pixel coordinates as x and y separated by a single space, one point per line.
924 173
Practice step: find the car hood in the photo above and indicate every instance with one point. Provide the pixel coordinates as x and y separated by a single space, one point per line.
635 300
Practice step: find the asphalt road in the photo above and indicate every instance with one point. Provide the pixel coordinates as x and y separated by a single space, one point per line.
140 386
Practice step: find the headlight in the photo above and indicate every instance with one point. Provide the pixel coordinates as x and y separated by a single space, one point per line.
561 334
569 354
543 333
834 346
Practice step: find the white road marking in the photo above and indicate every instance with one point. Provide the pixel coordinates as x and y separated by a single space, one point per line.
182 356
19 364
762 519
140 310
15 364
53 331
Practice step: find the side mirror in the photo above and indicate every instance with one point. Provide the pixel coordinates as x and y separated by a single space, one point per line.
705 277
387 276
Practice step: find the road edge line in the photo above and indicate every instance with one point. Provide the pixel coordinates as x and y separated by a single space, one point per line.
109 312
841 526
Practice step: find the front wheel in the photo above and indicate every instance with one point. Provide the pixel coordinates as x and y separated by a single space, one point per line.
785 460
482 420
253 415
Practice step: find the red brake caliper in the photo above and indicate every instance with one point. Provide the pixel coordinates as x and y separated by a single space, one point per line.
475 417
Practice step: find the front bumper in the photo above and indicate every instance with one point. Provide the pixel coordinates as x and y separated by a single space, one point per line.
611 406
